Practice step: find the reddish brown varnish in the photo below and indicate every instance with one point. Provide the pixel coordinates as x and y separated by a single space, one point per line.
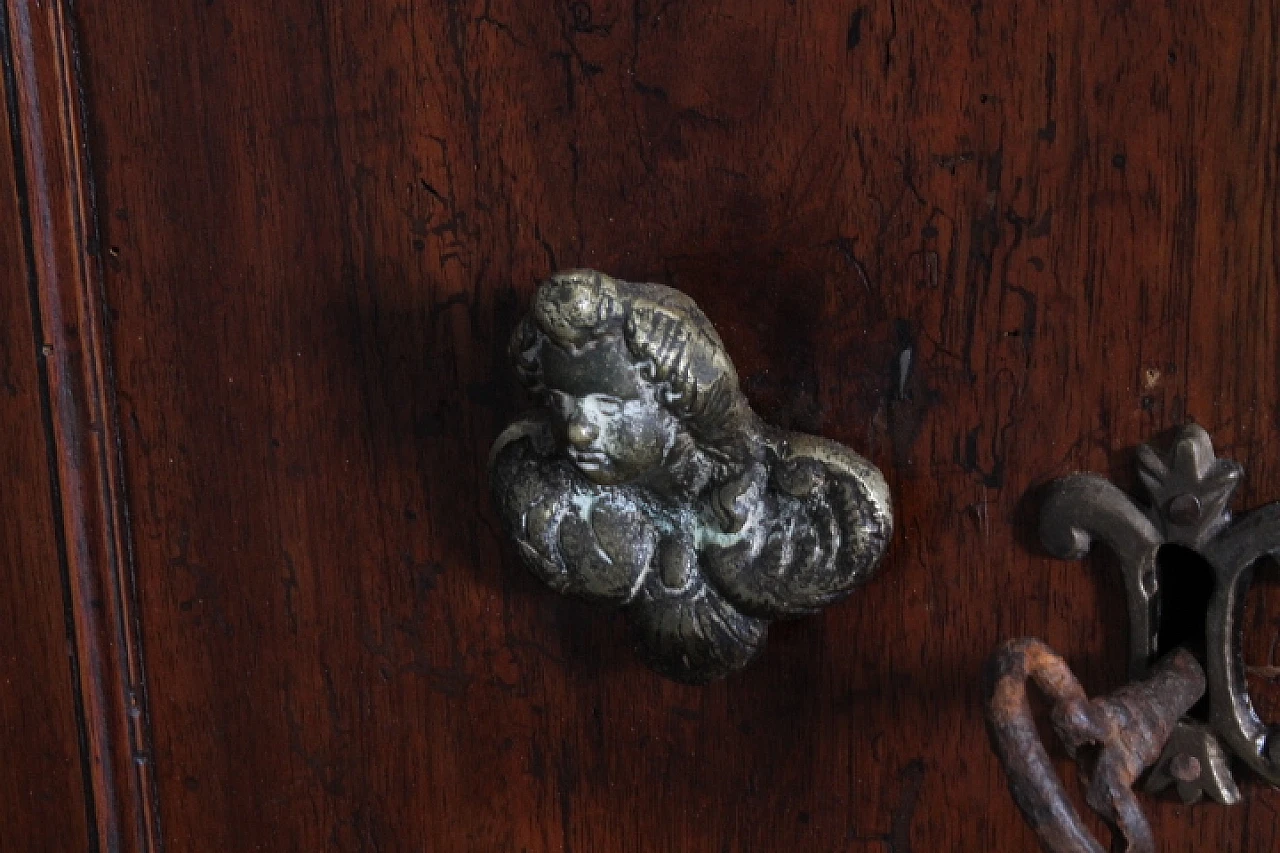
42 778
986 244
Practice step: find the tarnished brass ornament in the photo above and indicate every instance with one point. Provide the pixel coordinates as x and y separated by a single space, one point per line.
644 481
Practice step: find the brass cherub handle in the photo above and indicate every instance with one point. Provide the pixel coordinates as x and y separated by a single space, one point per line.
644 481
1129 728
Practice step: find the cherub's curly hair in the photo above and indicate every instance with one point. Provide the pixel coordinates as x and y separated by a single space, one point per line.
672 341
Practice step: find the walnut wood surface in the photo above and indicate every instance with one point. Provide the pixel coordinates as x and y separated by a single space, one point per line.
984 244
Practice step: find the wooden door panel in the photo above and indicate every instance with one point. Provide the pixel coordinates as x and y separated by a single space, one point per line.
984 244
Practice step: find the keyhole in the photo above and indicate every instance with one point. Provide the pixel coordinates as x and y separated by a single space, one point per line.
1186 585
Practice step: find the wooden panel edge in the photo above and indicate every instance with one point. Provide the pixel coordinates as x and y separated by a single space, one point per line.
85 433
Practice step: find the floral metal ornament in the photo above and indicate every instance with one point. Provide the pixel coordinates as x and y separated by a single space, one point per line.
643 481
1189 490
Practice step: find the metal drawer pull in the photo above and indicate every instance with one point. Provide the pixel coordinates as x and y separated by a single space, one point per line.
644 481
1187 568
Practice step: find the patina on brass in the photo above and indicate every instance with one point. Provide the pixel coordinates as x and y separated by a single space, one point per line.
644 481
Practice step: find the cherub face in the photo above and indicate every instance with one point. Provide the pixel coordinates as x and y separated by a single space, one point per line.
607 417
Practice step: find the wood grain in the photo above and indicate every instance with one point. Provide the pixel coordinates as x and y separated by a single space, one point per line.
43 799
986 244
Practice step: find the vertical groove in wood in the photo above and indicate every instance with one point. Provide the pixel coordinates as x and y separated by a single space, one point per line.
45 798
82 417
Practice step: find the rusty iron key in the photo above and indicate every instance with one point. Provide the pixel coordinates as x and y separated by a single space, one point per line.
1129 729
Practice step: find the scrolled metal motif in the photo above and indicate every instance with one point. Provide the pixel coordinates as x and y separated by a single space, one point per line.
643 481
1189 489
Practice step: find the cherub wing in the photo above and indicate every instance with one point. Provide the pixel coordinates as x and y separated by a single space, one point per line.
824 524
